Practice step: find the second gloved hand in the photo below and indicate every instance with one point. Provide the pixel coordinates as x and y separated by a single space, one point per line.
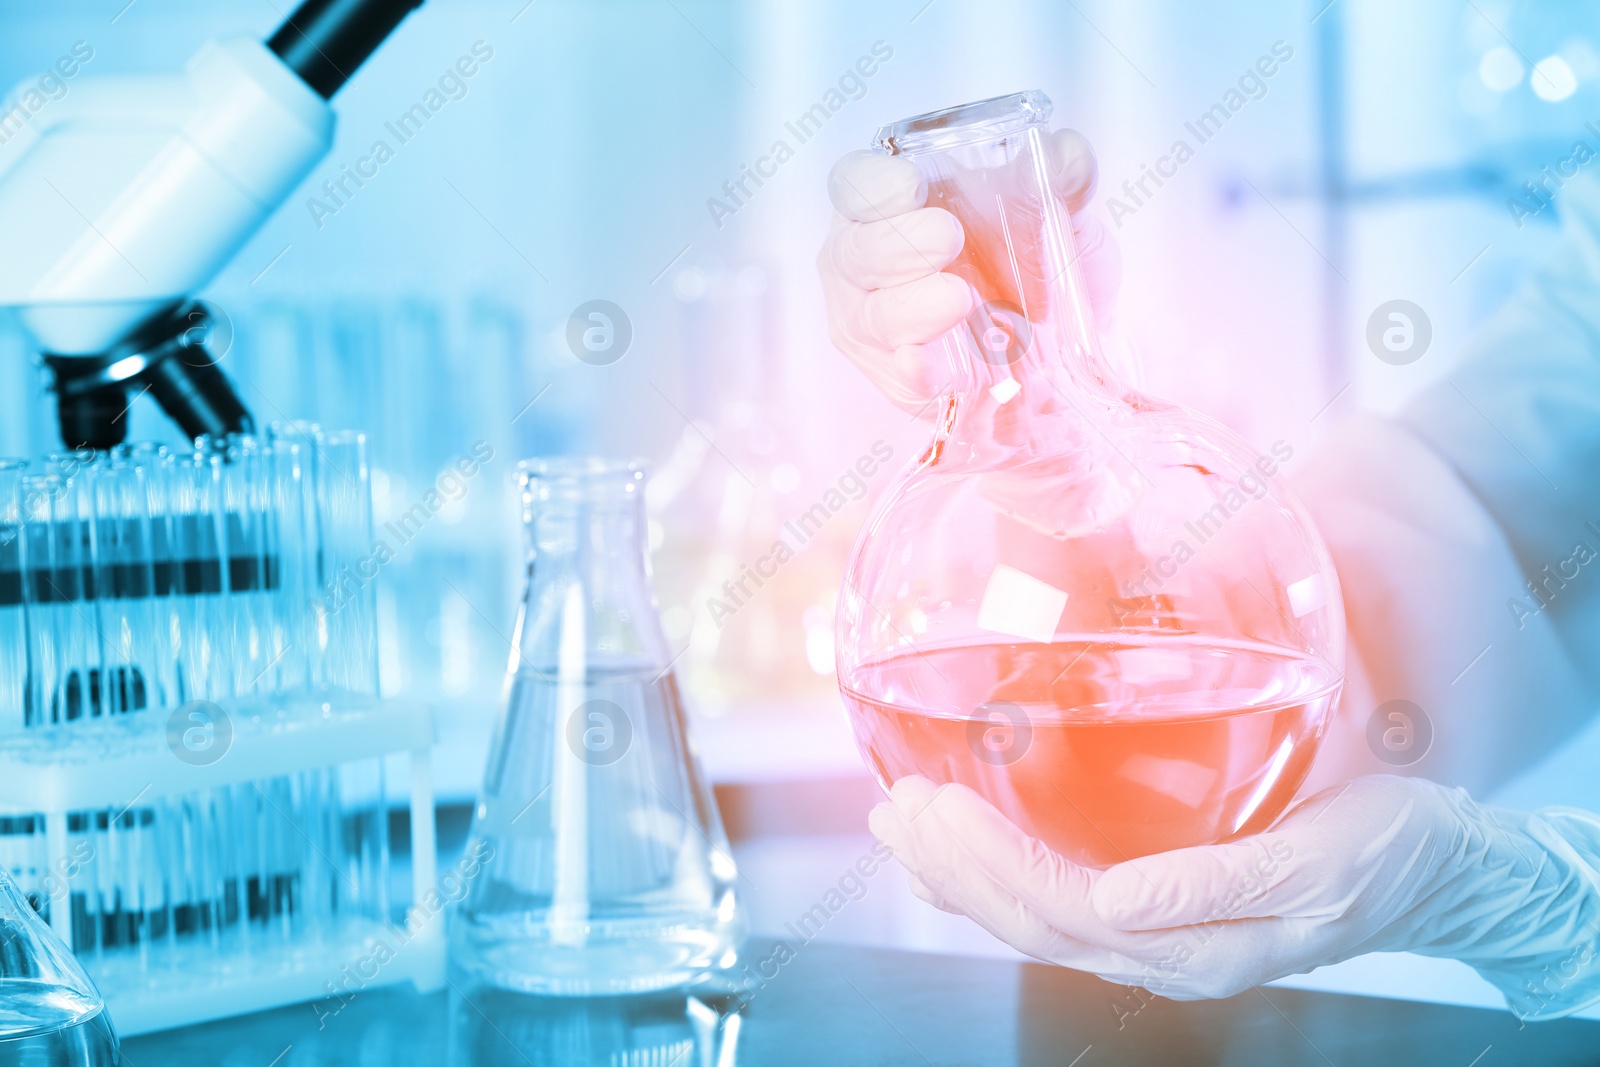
1380 864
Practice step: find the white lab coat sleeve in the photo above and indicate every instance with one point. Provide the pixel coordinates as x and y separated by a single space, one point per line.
1438 520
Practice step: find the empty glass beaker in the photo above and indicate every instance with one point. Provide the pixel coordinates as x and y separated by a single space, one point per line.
1106 614
605 869
51 1015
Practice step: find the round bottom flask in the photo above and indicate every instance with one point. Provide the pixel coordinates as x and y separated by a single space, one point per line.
51 1015
1106 614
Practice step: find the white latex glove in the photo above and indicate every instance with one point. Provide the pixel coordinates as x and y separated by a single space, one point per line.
881 264
1383 864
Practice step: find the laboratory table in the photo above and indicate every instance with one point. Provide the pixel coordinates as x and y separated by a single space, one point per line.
827 1004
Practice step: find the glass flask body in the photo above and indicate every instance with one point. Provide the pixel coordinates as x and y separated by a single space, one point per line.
1106 614
603 866
51 1014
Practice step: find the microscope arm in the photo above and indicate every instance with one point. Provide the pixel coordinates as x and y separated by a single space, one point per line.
128 195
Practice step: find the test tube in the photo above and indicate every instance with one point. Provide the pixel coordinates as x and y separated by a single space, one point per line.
164 472
158 888
199 541
198 551
76 561
63 646
13 614
16 831
246 574
151 902
282 877
298 465
347 607
293 459
145 579
138 664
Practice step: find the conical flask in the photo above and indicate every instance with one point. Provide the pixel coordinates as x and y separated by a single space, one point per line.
51 1015
604 868
1106 614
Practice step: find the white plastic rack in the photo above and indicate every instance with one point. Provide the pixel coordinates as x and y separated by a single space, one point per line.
243 867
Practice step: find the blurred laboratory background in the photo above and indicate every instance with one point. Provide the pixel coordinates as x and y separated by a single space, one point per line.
628 151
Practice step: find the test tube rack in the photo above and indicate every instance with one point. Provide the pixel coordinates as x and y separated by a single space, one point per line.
339 937
193 754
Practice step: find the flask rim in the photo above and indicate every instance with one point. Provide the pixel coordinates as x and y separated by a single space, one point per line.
577 474
952 127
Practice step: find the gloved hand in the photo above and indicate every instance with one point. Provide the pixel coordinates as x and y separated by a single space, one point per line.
881 264
1382 864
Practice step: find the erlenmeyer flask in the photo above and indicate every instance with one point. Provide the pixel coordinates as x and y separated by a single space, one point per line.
51 1015
1106 614
604 864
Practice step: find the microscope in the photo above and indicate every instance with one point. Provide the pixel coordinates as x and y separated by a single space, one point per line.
125 196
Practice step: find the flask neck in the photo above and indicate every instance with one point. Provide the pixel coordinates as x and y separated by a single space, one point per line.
1048 393
1028 355
589 583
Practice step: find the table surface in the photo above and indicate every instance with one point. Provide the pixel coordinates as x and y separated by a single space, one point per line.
819 1003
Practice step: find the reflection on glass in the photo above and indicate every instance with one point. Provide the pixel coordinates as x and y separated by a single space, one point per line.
494 1027
50 1012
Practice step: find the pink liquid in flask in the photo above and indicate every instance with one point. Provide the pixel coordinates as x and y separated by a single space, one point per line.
1104 747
